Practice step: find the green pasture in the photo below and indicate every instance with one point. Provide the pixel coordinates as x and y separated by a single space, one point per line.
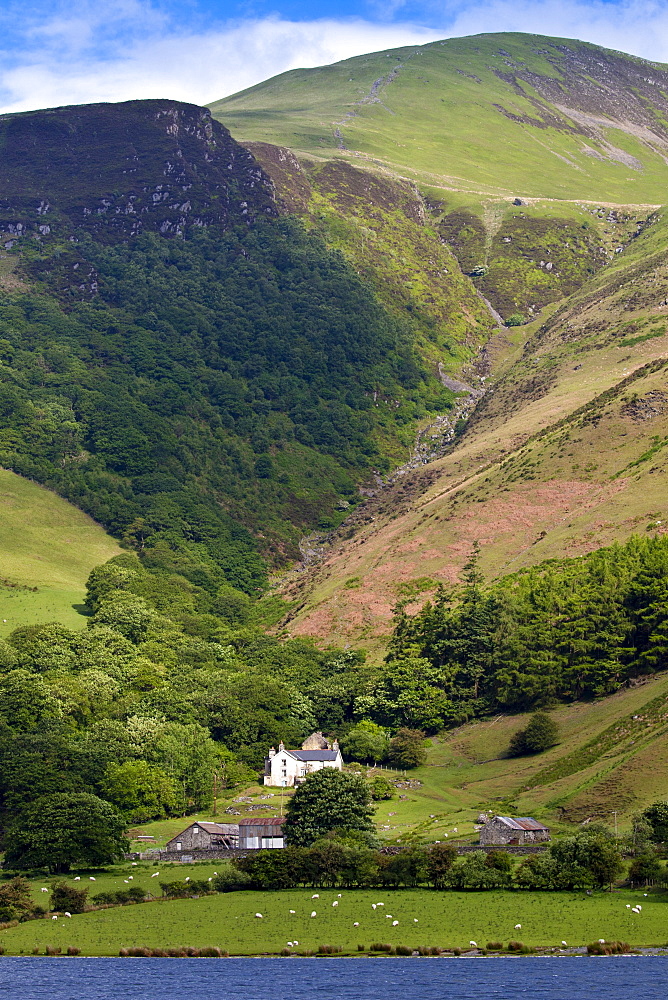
425 918
48 549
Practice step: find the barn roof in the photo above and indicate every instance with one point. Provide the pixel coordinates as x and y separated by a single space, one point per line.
224 828
262 821
213 829
521 823
313 754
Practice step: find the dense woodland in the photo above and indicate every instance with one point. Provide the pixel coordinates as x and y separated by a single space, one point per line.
211 391
173 681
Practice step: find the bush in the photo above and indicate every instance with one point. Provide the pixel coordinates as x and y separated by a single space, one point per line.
608 948
66 897
407 749
381 788
73 951
515 319
541 733
646 868
516 946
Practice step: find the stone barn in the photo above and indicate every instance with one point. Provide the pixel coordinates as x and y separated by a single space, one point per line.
500 830
261 831
205 837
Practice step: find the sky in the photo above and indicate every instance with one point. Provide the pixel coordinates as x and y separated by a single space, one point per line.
56 52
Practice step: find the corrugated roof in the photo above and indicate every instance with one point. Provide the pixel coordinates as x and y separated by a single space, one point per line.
313 754
262 821
521 823
223 828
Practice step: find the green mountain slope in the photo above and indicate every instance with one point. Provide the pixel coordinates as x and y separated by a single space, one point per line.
190 368
564 453
493 114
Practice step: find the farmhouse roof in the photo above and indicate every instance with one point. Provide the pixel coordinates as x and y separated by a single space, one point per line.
521 823
313 754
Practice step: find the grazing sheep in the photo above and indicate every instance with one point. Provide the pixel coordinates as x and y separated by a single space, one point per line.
258 916
67 914
335 903
313 913
292 911
155 874
394 923
316 895
77 878
564 944
356 924
54 917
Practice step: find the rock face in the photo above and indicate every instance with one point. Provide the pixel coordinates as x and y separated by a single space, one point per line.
117 170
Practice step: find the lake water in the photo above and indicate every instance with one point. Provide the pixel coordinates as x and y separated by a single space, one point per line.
333 979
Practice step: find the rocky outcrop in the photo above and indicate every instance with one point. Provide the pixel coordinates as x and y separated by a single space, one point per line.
117 170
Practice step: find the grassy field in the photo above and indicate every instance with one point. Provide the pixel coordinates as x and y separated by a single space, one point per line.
425 918
48 549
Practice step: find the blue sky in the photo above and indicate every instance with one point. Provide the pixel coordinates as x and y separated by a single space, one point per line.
55 52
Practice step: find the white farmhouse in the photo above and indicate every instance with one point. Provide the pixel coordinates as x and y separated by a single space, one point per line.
286 768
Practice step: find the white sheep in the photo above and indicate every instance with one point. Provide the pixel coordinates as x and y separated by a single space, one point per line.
295 942
313 913
518 927
335 903
394 923
155 874
44 889
292 911
92 878
473 944
564 944
373 905
316 895
258 916
356 924
54 917
77 878
67 914
290 944
415 920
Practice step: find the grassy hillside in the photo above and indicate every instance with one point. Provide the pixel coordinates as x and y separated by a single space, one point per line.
546 110
563 455
48 549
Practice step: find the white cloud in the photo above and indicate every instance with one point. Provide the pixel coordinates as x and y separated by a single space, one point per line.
116 50
196 67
